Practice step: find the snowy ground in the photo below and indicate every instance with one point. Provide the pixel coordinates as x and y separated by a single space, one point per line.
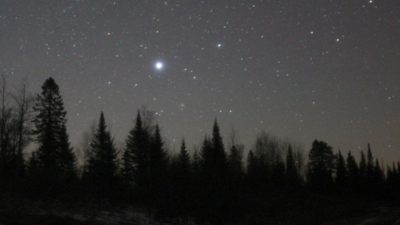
115 218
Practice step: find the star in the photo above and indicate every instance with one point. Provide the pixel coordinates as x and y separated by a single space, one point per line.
159 66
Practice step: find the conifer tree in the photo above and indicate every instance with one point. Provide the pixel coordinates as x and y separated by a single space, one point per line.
320 165
184 160
340 178
54 155
183 178
235 162
369 173
207 158
218 149
158 159
67 156
196 164
104 158
378 175
137 154
352 171
363 168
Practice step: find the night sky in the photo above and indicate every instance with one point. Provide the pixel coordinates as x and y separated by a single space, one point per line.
304 70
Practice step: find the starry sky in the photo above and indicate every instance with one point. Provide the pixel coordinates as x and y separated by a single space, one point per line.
299 69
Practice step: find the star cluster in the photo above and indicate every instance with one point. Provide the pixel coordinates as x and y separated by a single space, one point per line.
304 70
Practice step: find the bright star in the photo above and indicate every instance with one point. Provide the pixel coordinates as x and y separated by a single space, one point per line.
159 65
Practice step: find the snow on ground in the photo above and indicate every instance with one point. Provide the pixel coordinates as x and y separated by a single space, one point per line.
114 218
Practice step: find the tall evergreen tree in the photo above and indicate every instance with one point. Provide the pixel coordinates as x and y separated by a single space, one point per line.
183 184
104 158
184 160
378 173
340 178
352 172
158 159
320 165
54 155
218 148
235 160
363 168
137 154
67 156
369 173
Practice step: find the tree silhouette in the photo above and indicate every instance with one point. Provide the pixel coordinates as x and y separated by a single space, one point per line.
369 173
291 169
340 178
320 166
55 158
352 172
158 160
363 170
67 157
137 155
103 169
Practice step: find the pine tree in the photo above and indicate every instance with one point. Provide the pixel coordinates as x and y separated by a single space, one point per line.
158 159
214 175
235 162
104 158
352 172
320 165
219 153
137 154
369 173
184 160
207 158
67 156
196 164
183 178
340 178
51 134
363 168
378 175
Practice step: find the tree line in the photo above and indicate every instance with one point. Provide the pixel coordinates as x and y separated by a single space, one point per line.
213 184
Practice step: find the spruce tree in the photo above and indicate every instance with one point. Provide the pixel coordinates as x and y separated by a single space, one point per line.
104 157
369 173
137 154
207 158
184 160
363 168
320 165
196 164
158 159
67 156
183 179
378 175
218 151
340 178
54 156
235 162
352 172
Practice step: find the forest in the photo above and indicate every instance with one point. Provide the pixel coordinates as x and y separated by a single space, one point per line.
277 182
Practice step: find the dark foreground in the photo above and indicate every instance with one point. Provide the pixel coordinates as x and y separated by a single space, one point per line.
317 210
